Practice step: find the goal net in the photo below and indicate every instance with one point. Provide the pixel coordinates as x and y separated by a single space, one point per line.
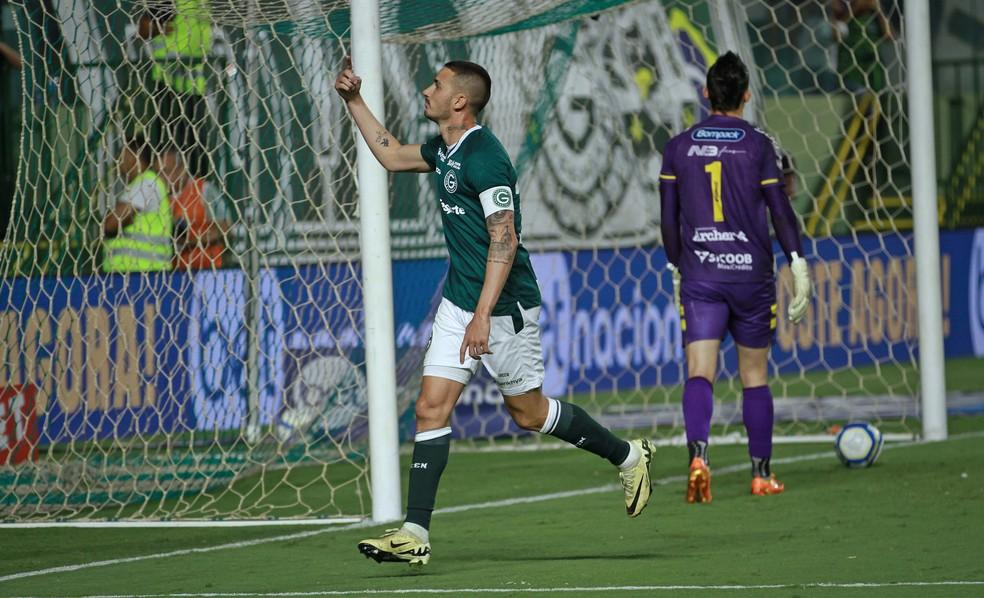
229 382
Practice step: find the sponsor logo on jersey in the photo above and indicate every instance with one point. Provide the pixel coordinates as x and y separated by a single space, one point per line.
726 135
726 261
710 151
448 209
711 234
703 150
440 154
450 182
454 164
502 197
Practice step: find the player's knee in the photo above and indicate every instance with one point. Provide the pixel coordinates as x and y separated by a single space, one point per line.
430 412
526 420
753 378
701 371
526 417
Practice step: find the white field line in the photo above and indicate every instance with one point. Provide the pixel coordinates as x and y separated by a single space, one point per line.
565 590
459 509
217 523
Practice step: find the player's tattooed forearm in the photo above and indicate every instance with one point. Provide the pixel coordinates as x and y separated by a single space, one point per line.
383 138
497 219
502 252
502 238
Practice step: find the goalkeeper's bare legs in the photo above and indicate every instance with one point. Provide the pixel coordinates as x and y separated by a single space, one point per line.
757 413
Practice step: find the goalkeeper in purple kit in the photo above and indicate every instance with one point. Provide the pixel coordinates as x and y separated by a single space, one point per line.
718 180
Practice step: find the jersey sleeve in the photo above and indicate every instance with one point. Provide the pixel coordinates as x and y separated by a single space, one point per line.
428 151
491 175
667 172
784 221
770 168
669 208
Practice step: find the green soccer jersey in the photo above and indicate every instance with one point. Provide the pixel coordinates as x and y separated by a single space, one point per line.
474 178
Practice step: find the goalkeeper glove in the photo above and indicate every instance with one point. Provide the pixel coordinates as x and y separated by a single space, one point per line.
802 289
676 283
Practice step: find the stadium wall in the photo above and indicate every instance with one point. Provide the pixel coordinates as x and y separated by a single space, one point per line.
96 357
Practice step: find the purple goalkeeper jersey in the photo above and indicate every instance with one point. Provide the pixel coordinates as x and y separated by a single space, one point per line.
720 180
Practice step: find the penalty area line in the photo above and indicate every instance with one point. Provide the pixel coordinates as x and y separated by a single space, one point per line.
446 510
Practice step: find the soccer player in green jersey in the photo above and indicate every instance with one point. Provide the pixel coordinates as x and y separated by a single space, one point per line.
489 314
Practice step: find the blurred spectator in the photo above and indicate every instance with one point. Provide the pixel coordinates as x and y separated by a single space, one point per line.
201 217
138 228
8 135
859 27
180 38
11 56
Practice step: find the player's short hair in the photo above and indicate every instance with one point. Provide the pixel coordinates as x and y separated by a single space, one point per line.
474 81
137 143
727 81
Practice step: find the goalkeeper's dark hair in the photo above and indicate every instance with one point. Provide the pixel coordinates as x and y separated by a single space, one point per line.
474 81
137 143
727 81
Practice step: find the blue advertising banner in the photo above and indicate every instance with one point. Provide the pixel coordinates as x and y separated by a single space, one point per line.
117 356
101 351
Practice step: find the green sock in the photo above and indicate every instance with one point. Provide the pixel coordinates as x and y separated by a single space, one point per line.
430 456
573 424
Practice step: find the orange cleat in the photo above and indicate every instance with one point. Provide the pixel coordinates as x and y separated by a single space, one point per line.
699 482
765 486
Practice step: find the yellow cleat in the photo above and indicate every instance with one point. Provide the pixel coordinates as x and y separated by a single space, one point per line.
767 486
635 481
397 546
699 482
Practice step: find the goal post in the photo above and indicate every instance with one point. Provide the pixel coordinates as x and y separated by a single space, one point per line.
279 384
384 457
926 221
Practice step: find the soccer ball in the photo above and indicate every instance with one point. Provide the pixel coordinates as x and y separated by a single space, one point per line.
858 444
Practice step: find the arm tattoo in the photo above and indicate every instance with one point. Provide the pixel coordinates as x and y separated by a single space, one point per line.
382 138
502 237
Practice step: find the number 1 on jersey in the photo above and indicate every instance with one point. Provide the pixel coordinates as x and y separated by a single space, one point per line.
714 169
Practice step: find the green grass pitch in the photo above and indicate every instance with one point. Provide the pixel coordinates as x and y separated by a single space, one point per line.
915 518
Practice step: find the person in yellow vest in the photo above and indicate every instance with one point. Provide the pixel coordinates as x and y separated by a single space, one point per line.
180 41
137 229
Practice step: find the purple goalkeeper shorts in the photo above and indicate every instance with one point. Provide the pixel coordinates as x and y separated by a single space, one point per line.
747 310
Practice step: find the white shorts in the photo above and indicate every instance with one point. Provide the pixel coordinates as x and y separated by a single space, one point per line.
516 361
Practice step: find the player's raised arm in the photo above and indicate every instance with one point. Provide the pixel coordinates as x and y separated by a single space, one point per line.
393 155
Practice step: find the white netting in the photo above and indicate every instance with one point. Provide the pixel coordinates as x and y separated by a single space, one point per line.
239 392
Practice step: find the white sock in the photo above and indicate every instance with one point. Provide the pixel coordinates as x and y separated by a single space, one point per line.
417 530
633 459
